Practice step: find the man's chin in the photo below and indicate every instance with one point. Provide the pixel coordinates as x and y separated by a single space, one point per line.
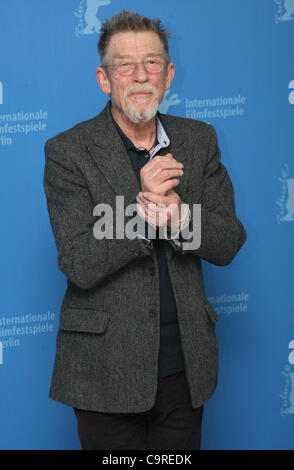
141 113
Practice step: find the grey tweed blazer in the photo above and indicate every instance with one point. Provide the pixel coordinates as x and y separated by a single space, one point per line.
108 338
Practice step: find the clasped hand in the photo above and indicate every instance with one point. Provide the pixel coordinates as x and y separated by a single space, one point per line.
158 202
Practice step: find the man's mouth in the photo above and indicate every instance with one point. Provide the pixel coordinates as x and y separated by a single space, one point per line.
141 94
144 94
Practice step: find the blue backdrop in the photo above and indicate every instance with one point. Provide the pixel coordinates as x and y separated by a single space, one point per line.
235 70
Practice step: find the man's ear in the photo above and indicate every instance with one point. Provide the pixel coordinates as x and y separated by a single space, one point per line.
170 73
103 80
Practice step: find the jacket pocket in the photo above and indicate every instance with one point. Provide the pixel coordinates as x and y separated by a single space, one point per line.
87 320
211 312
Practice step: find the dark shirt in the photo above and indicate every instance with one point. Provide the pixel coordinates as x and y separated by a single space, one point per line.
170 358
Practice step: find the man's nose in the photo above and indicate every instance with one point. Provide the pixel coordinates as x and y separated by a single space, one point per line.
140 73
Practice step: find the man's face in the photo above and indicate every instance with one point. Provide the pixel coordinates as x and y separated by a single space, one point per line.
135 96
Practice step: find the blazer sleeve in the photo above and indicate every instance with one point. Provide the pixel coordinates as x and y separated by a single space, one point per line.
221 232
84 259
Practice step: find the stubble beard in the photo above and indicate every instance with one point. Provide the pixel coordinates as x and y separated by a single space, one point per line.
131 110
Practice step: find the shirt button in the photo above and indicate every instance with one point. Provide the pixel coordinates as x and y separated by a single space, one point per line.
152 313
152 271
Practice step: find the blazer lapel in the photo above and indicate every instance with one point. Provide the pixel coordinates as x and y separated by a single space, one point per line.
109 152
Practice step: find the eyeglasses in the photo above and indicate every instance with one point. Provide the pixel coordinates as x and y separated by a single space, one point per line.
151 65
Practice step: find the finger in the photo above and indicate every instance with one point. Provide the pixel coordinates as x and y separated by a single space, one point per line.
141 211
167 185
152 197
140 196
145 199
158 200
156 218
154 168
140 200
168 161
147 204
167 173
163 175
167 155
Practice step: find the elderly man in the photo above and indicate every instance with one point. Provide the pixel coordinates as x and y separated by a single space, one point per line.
136 348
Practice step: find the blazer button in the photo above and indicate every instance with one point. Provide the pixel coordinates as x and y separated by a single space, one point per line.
152 313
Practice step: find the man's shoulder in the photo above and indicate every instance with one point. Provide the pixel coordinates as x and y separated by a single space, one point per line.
186 126
71 135
78 132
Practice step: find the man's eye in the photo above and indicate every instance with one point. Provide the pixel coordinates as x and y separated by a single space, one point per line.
153 61
125 64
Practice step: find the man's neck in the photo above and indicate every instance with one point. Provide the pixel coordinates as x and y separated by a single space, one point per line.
142 134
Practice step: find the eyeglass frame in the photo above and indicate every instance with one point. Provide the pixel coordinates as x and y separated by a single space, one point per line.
163 61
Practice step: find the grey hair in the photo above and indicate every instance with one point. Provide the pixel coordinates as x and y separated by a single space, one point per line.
127 21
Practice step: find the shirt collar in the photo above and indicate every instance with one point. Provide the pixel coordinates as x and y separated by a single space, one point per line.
162 137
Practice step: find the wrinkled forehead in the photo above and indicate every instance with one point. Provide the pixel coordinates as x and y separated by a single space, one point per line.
134 44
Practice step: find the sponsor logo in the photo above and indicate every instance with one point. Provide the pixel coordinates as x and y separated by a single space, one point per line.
21 123
288 392
168 101
218 107
16 327
286 200
226 304
87 13
285 10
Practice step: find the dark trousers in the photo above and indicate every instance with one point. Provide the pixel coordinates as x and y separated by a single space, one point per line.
170 424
